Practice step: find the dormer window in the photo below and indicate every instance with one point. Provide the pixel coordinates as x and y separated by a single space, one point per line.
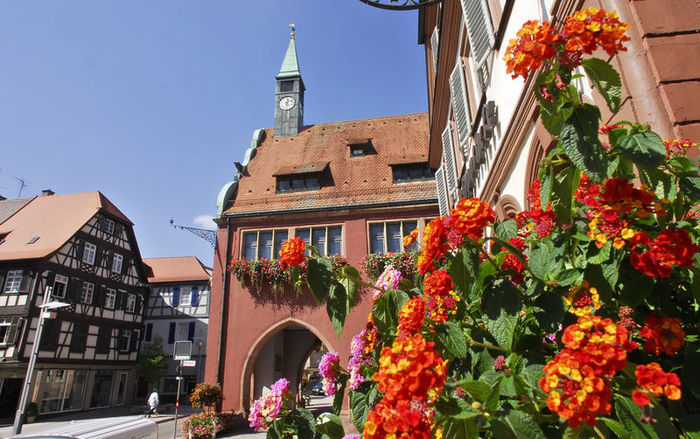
360 147
412 172
308 177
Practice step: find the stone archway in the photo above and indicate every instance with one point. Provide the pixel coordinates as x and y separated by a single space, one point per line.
263 364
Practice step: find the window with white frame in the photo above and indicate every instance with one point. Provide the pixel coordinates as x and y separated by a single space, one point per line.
185 296
263 244
327 239
60 284
110 298
131 302
89 253
16 282
108 226
117 260
387 237
86 292
124 340
5 331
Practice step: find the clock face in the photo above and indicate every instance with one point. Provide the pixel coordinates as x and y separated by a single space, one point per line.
287 103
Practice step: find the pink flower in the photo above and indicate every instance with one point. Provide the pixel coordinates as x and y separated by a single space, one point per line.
266 408
499 362
329 368
389 279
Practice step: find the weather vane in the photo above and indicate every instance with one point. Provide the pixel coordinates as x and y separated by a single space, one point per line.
293 26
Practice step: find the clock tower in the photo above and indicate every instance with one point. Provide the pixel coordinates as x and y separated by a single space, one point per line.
289 98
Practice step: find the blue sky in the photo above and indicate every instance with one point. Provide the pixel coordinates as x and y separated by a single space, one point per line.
152 101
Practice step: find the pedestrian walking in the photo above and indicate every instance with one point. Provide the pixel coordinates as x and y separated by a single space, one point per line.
153 403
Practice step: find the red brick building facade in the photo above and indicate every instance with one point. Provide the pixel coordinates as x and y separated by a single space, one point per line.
344 187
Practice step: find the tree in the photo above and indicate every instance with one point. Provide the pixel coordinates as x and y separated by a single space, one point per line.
152 364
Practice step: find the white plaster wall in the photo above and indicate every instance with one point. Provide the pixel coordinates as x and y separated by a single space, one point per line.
515 181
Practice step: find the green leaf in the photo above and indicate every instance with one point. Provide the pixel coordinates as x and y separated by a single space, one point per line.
359 409
540 260
319 272
568 276
302 421
523 425
635 290
606 79
506 230
494 395
602 255
385 312
478 390
563 189
460 275
337 307
511 248
549 311
684 165
579 138
616 428
691 425
690 186
332 426
350 285
451 337
339 395
644 149
629 415
546 183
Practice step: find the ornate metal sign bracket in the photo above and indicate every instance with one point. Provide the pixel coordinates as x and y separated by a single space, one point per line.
400 5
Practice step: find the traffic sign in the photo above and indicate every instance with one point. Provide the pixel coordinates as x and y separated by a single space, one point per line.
183 350
189 363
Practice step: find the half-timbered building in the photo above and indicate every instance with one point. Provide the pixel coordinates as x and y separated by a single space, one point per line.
81 248
178 310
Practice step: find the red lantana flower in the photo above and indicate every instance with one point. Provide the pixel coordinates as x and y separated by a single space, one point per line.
670 249
292 252
662 335
654 381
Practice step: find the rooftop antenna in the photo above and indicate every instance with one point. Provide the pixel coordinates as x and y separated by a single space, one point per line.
22 185
206 234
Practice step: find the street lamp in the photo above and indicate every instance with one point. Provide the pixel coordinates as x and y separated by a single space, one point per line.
46 309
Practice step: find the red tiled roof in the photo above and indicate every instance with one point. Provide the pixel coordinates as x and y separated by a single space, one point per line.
355 180
53 219
175 269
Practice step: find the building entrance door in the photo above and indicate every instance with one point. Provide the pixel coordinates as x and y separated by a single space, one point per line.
121 389
9 396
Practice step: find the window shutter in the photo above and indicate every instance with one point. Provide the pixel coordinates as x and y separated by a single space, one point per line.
117 229
459 104
14 329
448 160
194 296
434 46
190 331
171 333
479 29
149 331
176 297
134 340
24 283
441 192
75 286
80 249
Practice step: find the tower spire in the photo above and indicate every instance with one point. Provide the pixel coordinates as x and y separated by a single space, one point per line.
290 64
289 99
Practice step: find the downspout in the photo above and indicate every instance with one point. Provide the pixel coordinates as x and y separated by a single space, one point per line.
224 301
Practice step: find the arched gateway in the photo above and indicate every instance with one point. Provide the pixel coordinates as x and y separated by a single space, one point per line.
349 188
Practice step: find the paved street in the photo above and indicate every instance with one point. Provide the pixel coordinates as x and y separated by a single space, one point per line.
166 421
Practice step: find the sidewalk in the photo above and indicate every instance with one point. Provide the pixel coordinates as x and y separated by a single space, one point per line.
48 422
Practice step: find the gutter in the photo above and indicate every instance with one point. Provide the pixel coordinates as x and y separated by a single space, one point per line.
224 302
329 208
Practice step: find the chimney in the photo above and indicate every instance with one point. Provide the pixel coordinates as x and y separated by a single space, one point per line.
46 192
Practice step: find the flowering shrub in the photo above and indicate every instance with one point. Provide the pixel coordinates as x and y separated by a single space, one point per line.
200 426
206 396
374 264
576 319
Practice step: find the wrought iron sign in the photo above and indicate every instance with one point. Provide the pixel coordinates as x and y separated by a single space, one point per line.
400 5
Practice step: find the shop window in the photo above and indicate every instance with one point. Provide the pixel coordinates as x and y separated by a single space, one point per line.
412 172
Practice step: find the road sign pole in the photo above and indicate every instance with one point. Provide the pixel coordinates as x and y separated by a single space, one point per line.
177 398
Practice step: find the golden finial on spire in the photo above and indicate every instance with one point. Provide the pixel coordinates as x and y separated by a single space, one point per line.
293 26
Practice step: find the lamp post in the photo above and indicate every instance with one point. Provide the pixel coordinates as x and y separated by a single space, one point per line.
44 312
